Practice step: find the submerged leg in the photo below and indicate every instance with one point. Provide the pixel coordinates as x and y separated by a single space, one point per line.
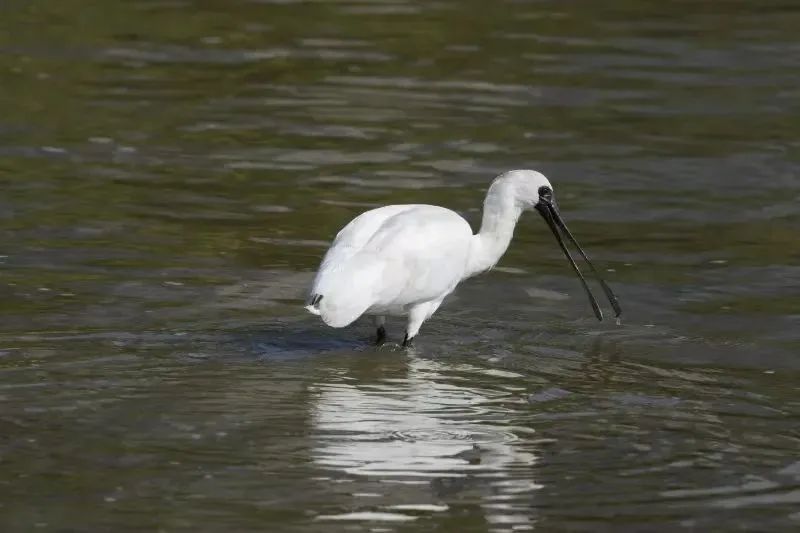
416 316
407 341
381 333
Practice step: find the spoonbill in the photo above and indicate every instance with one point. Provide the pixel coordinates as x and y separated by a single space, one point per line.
403 260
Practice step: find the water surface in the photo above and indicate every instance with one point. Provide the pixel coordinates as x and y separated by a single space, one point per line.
171 173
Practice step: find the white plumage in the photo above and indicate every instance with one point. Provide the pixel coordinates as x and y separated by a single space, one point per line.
403 260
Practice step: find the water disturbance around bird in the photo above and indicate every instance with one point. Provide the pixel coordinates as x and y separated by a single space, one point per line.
171 174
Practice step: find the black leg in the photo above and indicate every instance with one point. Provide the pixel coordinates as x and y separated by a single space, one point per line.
407 342
381 336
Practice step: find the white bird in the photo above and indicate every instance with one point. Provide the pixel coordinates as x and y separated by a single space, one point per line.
403 260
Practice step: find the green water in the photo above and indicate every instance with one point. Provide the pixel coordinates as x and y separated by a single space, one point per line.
172 171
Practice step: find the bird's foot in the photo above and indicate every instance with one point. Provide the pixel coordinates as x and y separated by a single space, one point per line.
407 341
381 336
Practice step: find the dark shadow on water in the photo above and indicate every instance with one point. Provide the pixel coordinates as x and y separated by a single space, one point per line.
302 341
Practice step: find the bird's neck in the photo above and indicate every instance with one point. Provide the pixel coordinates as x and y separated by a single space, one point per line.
501 211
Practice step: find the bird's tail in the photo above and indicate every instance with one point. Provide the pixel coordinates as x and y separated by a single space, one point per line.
313 304
342 293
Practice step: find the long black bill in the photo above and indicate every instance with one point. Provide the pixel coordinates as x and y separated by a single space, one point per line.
554 221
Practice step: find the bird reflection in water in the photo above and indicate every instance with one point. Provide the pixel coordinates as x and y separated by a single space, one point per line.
410 442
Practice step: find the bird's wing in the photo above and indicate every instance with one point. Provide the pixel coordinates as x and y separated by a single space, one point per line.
423 252
332 292
352 238
396 255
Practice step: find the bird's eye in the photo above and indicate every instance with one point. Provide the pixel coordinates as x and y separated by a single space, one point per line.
545 192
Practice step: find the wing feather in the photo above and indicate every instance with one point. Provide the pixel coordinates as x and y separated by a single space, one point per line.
395 255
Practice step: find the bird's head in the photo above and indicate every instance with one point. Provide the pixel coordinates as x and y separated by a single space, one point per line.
525 186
